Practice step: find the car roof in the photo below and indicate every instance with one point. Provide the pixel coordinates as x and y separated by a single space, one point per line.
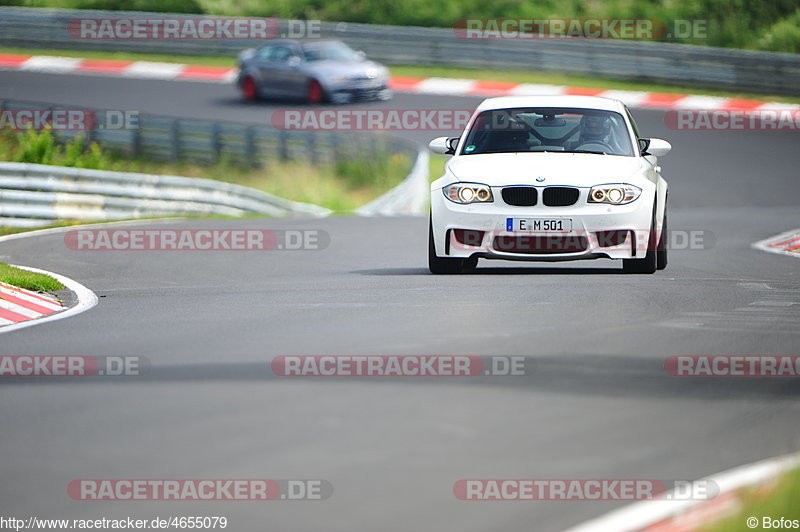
295 42
579 102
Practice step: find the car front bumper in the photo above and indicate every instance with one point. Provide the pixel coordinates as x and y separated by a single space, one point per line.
598 230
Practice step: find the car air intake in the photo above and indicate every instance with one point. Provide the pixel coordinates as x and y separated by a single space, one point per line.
520 196
560 196
540 244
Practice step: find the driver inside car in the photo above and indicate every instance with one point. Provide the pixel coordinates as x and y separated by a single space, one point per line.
594 130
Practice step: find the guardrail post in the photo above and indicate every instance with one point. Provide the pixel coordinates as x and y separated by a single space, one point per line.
174 133
335 148
250 148
216 142
89 132
311 148
283 145
136 142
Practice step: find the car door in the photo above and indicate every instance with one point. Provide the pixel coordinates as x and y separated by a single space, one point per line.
287 76
263 66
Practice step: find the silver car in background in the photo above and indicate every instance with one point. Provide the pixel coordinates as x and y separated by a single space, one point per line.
316 72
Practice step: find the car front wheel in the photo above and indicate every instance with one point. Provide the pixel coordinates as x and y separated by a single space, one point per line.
649 263
661 251
439 265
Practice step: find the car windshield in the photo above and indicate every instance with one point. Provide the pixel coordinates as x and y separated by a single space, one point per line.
549 130
330 51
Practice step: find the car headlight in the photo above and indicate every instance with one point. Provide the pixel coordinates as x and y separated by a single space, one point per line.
468 193
615 194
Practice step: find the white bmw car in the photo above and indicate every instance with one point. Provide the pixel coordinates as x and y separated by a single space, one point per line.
549 178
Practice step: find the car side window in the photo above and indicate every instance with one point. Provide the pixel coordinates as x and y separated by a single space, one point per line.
281 54
264 52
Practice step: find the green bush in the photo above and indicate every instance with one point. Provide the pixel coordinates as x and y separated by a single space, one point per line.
41 147
783 35
157 6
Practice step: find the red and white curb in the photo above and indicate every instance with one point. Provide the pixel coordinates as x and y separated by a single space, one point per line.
787 243
18 305
22 308
692 515
442 86
111 67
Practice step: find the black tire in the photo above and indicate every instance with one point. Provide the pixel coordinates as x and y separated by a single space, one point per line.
661 251
439 265
470 264
650 262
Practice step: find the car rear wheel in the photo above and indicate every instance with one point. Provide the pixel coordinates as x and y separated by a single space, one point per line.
439 265
314 93
249 89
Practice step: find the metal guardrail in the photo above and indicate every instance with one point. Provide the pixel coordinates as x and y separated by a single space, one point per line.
206 142
666 63
33 195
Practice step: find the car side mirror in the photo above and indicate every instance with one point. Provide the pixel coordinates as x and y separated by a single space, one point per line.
361 55
293 61
443 145
654 147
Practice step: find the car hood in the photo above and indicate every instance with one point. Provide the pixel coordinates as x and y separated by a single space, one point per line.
345 68
576 169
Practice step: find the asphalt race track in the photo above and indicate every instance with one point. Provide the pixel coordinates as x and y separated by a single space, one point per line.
595 403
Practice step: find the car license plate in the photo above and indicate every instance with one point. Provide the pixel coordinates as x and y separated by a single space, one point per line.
539 225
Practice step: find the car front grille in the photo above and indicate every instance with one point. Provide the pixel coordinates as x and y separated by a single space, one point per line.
560 196
520 196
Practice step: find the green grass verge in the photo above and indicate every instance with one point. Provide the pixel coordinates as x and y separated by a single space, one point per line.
781 502
340 187
436 166
28 280
513 76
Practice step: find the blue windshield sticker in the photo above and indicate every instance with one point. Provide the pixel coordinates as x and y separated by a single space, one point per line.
469 149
